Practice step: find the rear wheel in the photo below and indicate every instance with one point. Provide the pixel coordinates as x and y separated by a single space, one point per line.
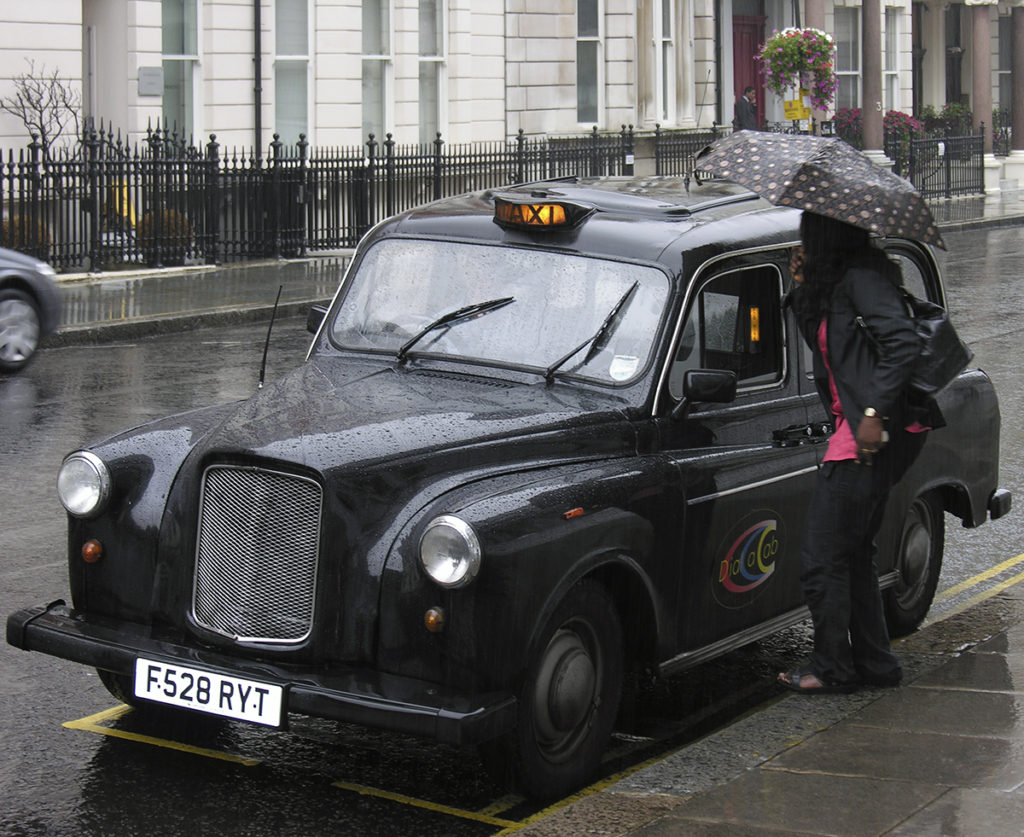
918 564
20 329
568 701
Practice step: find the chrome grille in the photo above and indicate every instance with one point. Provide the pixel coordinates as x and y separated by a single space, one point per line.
256 554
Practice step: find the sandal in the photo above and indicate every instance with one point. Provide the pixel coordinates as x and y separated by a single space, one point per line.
794 680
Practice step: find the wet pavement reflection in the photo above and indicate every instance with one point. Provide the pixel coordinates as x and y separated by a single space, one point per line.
124 297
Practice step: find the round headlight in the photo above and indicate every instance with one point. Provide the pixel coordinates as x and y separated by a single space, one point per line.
450 551
83 484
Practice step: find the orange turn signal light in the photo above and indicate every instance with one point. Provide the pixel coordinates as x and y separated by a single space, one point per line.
755 324
92 551
434 620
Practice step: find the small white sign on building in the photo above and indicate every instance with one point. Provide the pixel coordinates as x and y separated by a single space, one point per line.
151 81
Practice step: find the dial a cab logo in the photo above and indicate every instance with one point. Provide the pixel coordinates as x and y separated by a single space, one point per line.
747 561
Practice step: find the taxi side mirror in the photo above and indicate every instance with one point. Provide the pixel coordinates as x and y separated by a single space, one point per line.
716 386
315 318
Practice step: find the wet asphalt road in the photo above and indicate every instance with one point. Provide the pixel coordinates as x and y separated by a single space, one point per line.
313 779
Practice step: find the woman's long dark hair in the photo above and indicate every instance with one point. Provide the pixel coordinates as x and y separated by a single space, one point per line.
830 247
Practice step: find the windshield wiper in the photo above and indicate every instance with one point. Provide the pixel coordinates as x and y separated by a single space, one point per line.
452 317
597 341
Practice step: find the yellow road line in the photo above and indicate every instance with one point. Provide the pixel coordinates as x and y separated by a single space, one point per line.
92 724
590 790
980 577
986 594
423 803
111 714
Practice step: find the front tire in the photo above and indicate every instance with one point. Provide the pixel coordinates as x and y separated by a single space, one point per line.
918 564
568 700
20 329
177 722
119 686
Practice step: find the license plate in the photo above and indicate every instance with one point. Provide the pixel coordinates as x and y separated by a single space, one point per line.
207 691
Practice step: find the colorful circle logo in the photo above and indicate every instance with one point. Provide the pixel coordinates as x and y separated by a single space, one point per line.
749 560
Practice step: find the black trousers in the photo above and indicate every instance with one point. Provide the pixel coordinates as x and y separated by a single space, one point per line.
838 570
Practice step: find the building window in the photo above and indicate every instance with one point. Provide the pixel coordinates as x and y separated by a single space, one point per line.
588 61
666 60
891 59
433 74
848 57
1004 65
180 39
291 69
376 66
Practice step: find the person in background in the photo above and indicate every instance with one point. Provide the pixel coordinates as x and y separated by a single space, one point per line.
746 111
845 286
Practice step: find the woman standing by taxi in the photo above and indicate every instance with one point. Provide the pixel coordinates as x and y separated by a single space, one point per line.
852 314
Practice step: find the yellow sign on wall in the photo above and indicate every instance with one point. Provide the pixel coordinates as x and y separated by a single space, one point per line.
798 108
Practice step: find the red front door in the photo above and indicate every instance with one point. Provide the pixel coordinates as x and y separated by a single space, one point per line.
747 37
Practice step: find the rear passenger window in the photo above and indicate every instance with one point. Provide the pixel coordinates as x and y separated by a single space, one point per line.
913 279
734 323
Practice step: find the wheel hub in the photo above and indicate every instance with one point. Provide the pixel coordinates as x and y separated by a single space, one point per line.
565 687
915 556
19 330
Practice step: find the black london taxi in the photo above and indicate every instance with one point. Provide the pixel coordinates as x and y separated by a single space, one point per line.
544 435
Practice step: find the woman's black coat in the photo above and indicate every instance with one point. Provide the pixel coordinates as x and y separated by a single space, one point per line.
869 370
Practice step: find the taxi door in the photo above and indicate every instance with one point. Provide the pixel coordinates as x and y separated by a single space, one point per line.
747 468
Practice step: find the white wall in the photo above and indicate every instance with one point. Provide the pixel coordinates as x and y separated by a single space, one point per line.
48 31
337 107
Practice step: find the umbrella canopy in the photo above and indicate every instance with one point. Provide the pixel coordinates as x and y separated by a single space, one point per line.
824 175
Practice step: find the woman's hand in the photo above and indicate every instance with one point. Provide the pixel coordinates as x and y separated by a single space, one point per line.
796 265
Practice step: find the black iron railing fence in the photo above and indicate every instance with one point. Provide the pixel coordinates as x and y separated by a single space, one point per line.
940 165
165 201
675 151
948 166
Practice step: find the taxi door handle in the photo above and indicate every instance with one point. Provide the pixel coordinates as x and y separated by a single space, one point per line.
802 434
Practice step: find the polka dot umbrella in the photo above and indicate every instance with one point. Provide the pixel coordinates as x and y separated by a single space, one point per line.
824 175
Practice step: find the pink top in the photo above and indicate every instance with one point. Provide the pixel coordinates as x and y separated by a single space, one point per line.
842 445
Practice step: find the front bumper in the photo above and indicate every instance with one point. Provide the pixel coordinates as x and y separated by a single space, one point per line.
355 696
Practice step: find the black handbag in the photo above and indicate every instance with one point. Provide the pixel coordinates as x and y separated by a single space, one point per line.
943 354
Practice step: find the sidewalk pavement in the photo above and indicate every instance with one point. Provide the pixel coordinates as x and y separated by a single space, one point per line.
134 303
941 755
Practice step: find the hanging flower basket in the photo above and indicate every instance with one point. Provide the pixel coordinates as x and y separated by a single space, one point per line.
800 58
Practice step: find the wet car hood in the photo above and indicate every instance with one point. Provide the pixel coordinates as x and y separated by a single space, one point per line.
332 413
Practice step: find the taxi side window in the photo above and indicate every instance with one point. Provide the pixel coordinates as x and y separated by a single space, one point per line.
734 323
913 278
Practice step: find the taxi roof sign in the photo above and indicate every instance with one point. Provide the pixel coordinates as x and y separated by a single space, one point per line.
538 213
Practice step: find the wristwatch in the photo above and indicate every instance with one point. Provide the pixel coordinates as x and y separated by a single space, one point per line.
871 412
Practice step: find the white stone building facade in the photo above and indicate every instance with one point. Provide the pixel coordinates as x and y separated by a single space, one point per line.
471 70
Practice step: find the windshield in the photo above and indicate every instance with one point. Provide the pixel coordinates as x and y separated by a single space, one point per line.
553 304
